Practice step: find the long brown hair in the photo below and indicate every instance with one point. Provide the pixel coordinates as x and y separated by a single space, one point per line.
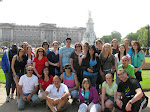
138 45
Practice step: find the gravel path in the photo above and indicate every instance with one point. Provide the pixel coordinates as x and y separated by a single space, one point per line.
12 107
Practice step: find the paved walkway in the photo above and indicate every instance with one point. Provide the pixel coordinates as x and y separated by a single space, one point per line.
12 107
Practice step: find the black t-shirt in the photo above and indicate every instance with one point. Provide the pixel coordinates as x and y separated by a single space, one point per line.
98 51
114 51
128 88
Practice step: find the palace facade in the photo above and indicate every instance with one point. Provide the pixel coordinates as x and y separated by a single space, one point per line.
34 35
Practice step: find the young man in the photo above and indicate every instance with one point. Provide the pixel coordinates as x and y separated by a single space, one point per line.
65 53
6 66
127 67
28 86
133 99
56 95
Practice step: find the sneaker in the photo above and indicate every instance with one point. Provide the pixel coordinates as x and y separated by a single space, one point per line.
12 96
7 99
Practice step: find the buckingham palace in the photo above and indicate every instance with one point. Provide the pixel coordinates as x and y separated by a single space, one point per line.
11 33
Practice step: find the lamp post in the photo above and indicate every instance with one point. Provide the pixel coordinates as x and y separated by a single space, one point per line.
147 28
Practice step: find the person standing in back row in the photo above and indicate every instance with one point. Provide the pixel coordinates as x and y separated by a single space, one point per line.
65 53
6 66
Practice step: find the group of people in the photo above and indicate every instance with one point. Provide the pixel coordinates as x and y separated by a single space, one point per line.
85 72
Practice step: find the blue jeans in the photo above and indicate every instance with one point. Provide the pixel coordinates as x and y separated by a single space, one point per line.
92 79
10 83
21 102
74 93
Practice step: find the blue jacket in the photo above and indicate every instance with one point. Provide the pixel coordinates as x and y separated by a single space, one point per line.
5 63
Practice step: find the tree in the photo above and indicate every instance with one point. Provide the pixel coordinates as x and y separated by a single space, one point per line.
132 36
116 35
106 38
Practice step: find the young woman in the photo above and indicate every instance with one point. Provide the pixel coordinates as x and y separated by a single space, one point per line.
118 56
18 67
30 56
44 81
99 46
75 62
24 46
107 61
84 53
53 60
70 79
46 45
91 65
88 96
115 47
138 59
126 42
40 61
109 92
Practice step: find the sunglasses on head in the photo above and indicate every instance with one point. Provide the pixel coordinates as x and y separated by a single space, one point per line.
121 73
45 44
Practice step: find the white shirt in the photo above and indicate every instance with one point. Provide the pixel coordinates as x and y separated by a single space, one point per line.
28 83
53 93
120 62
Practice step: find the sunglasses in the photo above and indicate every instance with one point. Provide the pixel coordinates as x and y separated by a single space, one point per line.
121 73
45 44
78 46
40 51
30 70
67 68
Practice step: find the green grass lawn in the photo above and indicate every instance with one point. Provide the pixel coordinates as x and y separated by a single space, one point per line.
2 76
147 59
146 80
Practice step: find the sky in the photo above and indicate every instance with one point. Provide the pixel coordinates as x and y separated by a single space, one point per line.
124 16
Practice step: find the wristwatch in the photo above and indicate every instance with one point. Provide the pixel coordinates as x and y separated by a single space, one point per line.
130 103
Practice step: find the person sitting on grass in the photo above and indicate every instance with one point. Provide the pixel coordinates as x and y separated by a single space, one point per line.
88 96
56 95
28 86
109 93
44 81
130 96
70 79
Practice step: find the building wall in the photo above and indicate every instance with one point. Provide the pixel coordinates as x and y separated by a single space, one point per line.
34 35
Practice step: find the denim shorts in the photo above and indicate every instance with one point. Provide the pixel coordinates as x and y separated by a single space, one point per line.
18 74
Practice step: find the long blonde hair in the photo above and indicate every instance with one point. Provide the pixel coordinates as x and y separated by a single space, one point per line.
110 50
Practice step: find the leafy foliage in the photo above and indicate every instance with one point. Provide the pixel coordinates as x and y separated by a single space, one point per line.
108 38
